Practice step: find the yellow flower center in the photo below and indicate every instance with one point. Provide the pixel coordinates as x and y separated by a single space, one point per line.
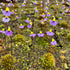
53 16
10 1
20 24
27 18
50 30
35 1
42 22
3 29
36 9
6 16
46 10
30 20
23 3
54 19
42 13
60 17
40 32
31 32
49 19
8 28
41 4
48 13
30 23
8 4
7 9
53 39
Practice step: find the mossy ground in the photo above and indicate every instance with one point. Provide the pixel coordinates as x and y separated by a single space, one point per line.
29 54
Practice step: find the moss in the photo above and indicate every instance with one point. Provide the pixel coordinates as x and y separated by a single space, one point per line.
19 38
42 41
1 25
53 7
16 5
7 62
64 23
48 60
68 36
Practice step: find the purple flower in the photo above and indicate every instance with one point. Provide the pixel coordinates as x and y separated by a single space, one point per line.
66 10
63 7
3 31
27 20
9 32
42 22
69 10
32 34
35 2
46 11
0 31
21 26
53 42
41 5
15 0
7 12
45 19
23 4
22 10
40 34
8 0
60 18
62 28
2 4
10 4
41 2
57 4
6 19
53 22
69 6
68 0
46 8
29 26
63 13
68 14
3 47
48 14
17 17
46 3
36 10
50 33
43 15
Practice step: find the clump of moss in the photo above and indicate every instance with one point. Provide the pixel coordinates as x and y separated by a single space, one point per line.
19 38
53 6
16 5
68 36
48 60
64 24
7 62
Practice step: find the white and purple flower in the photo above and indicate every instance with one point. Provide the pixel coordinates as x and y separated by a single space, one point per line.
40 34
6 19
53 42
50 33
21 26
32 34
53 22
8 32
